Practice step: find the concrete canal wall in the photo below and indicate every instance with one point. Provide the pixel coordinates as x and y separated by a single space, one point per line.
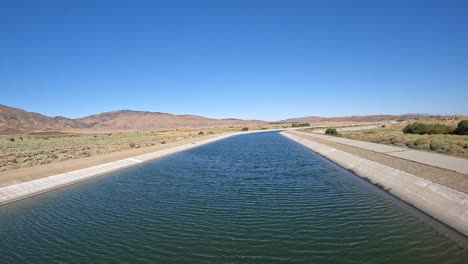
447 205
433 159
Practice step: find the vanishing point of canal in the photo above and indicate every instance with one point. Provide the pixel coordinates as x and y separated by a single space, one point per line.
256 198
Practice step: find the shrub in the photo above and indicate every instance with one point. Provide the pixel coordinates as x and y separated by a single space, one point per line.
427 128
245 129
163 142
440 146
331 132
210 133
11 139
300 124
462 128
133 145
201 133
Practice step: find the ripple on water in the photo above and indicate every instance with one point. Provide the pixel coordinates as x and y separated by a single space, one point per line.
255 198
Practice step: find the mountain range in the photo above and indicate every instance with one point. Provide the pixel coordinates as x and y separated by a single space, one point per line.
15 120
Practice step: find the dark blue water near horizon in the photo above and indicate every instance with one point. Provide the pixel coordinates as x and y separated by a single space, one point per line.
256 198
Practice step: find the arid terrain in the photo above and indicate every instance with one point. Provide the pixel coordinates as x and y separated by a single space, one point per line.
27 150
29 139
454 145
391 133
353 119
30 150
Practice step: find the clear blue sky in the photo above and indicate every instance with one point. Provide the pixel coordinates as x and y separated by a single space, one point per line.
246 59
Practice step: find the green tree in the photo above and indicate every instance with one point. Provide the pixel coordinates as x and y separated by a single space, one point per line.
331 132
427 128
462 128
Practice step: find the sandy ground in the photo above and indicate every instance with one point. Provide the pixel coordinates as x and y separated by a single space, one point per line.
321 130
40 171
451 179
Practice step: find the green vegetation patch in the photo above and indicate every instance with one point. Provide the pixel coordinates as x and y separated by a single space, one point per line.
300 125
462 128
450 144
428 128
331 132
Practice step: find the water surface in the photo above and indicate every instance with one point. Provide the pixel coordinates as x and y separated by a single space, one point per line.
256 198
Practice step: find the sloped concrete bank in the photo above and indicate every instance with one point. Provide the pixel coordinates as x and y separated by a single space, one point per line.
442 161
444 204
27 189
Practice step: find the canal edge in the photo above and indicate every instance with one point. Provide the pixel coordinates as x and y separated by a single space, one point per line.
444 204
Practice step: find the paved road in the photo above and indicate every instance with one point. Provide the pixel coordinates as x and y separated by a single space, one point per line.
433 159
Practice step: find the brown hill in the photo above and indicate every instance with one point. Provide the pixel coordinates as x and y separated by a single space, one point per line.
15 120
141 121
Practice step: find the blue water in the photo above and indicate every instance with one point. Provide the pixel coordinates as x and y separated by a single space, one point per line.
256 198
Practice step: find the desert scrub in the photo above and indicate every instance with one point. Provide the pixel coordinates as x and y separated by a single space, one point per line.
427 128
462 128
454 145
331 132
300 125
43 149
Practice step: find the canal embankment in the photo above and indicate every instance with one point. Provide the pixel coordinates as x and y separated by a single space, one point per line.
433 159
439 192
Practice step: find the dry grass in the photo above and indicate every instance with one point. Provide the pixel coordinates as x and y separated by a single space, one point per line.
454 145
30 150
